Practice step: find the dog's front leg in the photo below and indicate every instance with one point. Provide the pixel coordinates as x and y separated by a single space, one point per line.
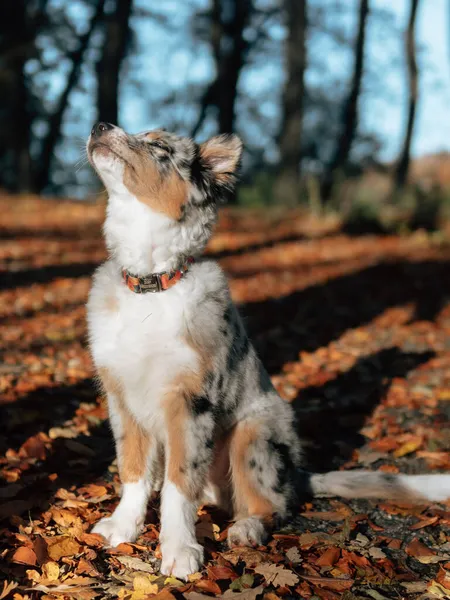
138 460
189 453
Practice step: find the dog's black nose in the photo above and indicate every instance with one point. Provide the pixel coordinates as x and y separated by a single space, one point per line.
100 128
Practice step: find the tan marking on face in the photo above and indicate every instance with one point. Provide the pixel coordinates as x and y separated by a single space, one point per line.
165 195
134 445
248 499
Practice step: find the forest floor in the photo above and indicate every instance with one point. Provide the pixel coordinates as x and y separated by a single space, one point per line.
355 331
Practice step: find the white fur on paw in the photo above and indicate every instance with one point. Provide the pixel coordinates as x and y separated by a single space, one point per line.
116 531
247 532
181 561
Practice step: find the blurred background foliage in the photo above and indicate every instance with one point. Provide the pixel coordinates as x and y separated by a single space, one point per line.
301 81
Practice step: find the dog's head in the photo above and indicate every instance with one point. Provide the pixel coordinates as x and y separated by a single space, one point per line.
170 174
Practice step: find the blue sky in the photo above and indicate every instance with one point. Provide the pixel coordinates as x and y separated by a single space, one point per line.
383 109
432 131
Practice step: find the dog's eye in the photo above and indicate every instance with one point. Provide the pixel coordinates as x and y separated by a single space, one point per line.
160 145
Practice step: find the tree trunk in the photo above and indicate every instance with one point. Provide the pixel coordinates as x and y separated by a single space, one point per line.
349 122
228 21
287 185
413 82
55 120
236 14
15 111
116 37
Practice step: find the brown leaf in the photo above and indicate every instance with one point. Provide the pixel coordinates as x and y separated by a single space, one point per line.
216 573
443 577
249 594
425 523
40 548
293 555
338 585
208 586
276 575
24 556
249 556
329 557
136 564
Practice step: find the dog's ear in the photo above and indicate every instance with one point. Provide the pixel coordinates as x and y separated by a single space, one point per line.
222 154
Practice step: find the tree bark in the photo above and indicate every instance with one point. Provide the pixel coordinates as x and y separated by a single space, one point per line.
413 84
350 113
228 21
287 185
116 38
55 120
16 117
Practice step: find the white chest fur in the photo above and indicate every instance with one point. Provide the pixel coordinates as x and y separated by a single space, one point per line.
139 338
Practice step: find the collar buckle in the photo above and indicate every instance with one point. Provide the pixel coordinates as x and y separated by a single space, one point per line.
155 282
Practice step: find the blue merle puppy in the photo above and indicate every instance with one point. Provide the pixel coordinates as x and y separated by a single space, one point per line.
193 412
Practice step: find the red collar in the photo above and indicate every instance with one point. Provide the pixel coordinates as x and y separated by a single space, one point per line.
155 282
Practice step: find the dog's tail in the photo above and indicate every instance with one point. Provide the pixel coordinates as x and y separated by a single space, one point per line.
414 489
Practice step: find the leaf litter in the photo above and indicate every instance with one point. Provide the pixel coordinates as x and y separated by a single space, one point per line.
353 330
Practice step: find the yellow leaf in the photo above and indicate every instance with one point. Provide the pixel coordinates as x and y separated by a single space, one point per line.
143 583
438 590
50 571
62 546
175 582
408 447
33 575
7 588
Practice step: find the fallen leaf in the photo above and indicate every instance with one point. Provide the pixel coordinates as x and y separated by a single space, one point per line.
425 523
24 556
293 555
276 575
408 447
8 587
245 581
438 590
249 556
376 553
250 594
144 585
338 585
424 554
173 581
136 564
208 586
329 557
60 546
50 570
220 572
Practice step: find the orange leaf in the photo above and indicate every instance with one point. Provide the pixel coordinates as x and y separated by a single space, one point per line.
24 556
218 573
62 546
329 557
208 586
425 523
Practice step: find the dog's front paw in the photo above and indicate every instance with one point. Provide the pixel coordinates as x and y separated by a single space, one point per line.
247 532
117 531
181 561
